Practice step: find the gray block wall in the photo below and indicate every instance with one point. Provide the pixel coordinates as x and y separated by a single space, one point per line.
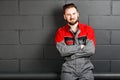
27 31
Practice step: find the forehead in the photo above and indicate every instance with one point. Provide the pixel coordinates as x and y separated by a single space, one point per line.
70 10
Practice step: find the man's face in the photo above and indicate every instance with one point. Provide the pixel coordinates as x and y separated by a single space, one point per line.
71 15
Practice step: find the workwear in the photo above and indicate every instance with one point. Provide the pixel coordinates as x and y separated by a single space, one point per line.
77 65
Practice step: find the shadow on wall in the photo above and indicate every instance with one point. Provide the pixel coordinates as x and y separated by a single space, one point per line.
44 57
58 18
51 55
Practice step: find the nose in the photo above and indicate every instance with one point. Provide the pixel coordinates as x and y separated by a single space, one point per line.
71 16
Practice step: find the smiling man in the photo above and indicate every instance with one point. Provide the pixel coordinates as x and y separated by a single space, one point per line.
76 43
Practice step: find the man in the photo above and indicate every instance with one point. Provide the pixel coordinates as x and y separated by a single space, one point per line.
76 43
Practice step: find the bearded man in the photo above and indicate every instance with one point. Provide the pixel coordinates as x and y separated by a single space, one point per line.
76 43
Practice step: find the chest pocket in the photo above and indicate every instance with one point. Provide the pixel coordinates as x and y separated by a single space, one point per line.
69 40
82 40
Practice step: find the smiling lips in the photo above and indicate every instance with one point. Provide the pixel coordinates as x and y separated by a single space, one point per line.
72 19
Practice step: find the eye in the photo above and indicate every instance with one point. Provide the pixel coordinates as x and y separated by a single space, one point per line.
74 13
68 15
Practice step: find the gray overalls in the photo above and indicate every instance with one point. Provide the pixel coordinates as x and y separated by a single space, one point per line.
77 65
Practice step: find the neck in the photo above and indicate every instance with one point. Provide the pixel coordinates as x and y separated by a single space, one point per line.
74 27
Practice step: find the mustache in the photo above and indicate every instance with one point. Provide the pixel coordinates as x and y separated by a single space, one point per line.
73 23
72 18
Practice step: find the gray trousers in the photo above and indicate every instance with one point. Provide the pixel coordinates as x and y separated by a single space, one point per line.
78 69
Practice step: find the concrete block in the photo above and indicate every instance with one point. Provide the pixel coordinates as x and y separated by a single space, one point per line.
92 7
41 7
115 64
105 22
51 52
98 66
9 37
9 66
115 39
102 36
37 37
40 66
8 7
8 51
116 7
30 52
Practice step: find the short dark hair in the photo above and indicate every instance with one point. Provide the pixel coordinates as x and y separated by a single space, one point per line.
69 5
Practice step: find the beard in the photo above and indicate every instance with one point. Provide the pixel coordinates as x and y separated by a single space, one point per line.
72 23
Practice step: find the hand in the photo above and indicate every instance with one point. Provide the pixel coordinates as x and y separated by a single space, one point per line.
82 46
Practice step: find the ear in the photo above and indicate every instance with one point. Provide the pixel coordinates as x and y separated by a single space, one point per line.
78 14
64 17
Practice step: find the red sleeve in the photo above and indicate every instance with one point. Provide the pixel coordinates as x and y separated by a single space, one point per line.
59 36
91 35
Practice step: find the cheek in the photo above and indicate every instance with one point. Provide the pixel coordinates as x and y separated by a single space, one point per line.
64 17
67 18
77 16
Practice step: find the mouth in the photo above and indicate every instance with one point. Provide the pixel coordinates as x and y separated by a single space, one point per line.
72 19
